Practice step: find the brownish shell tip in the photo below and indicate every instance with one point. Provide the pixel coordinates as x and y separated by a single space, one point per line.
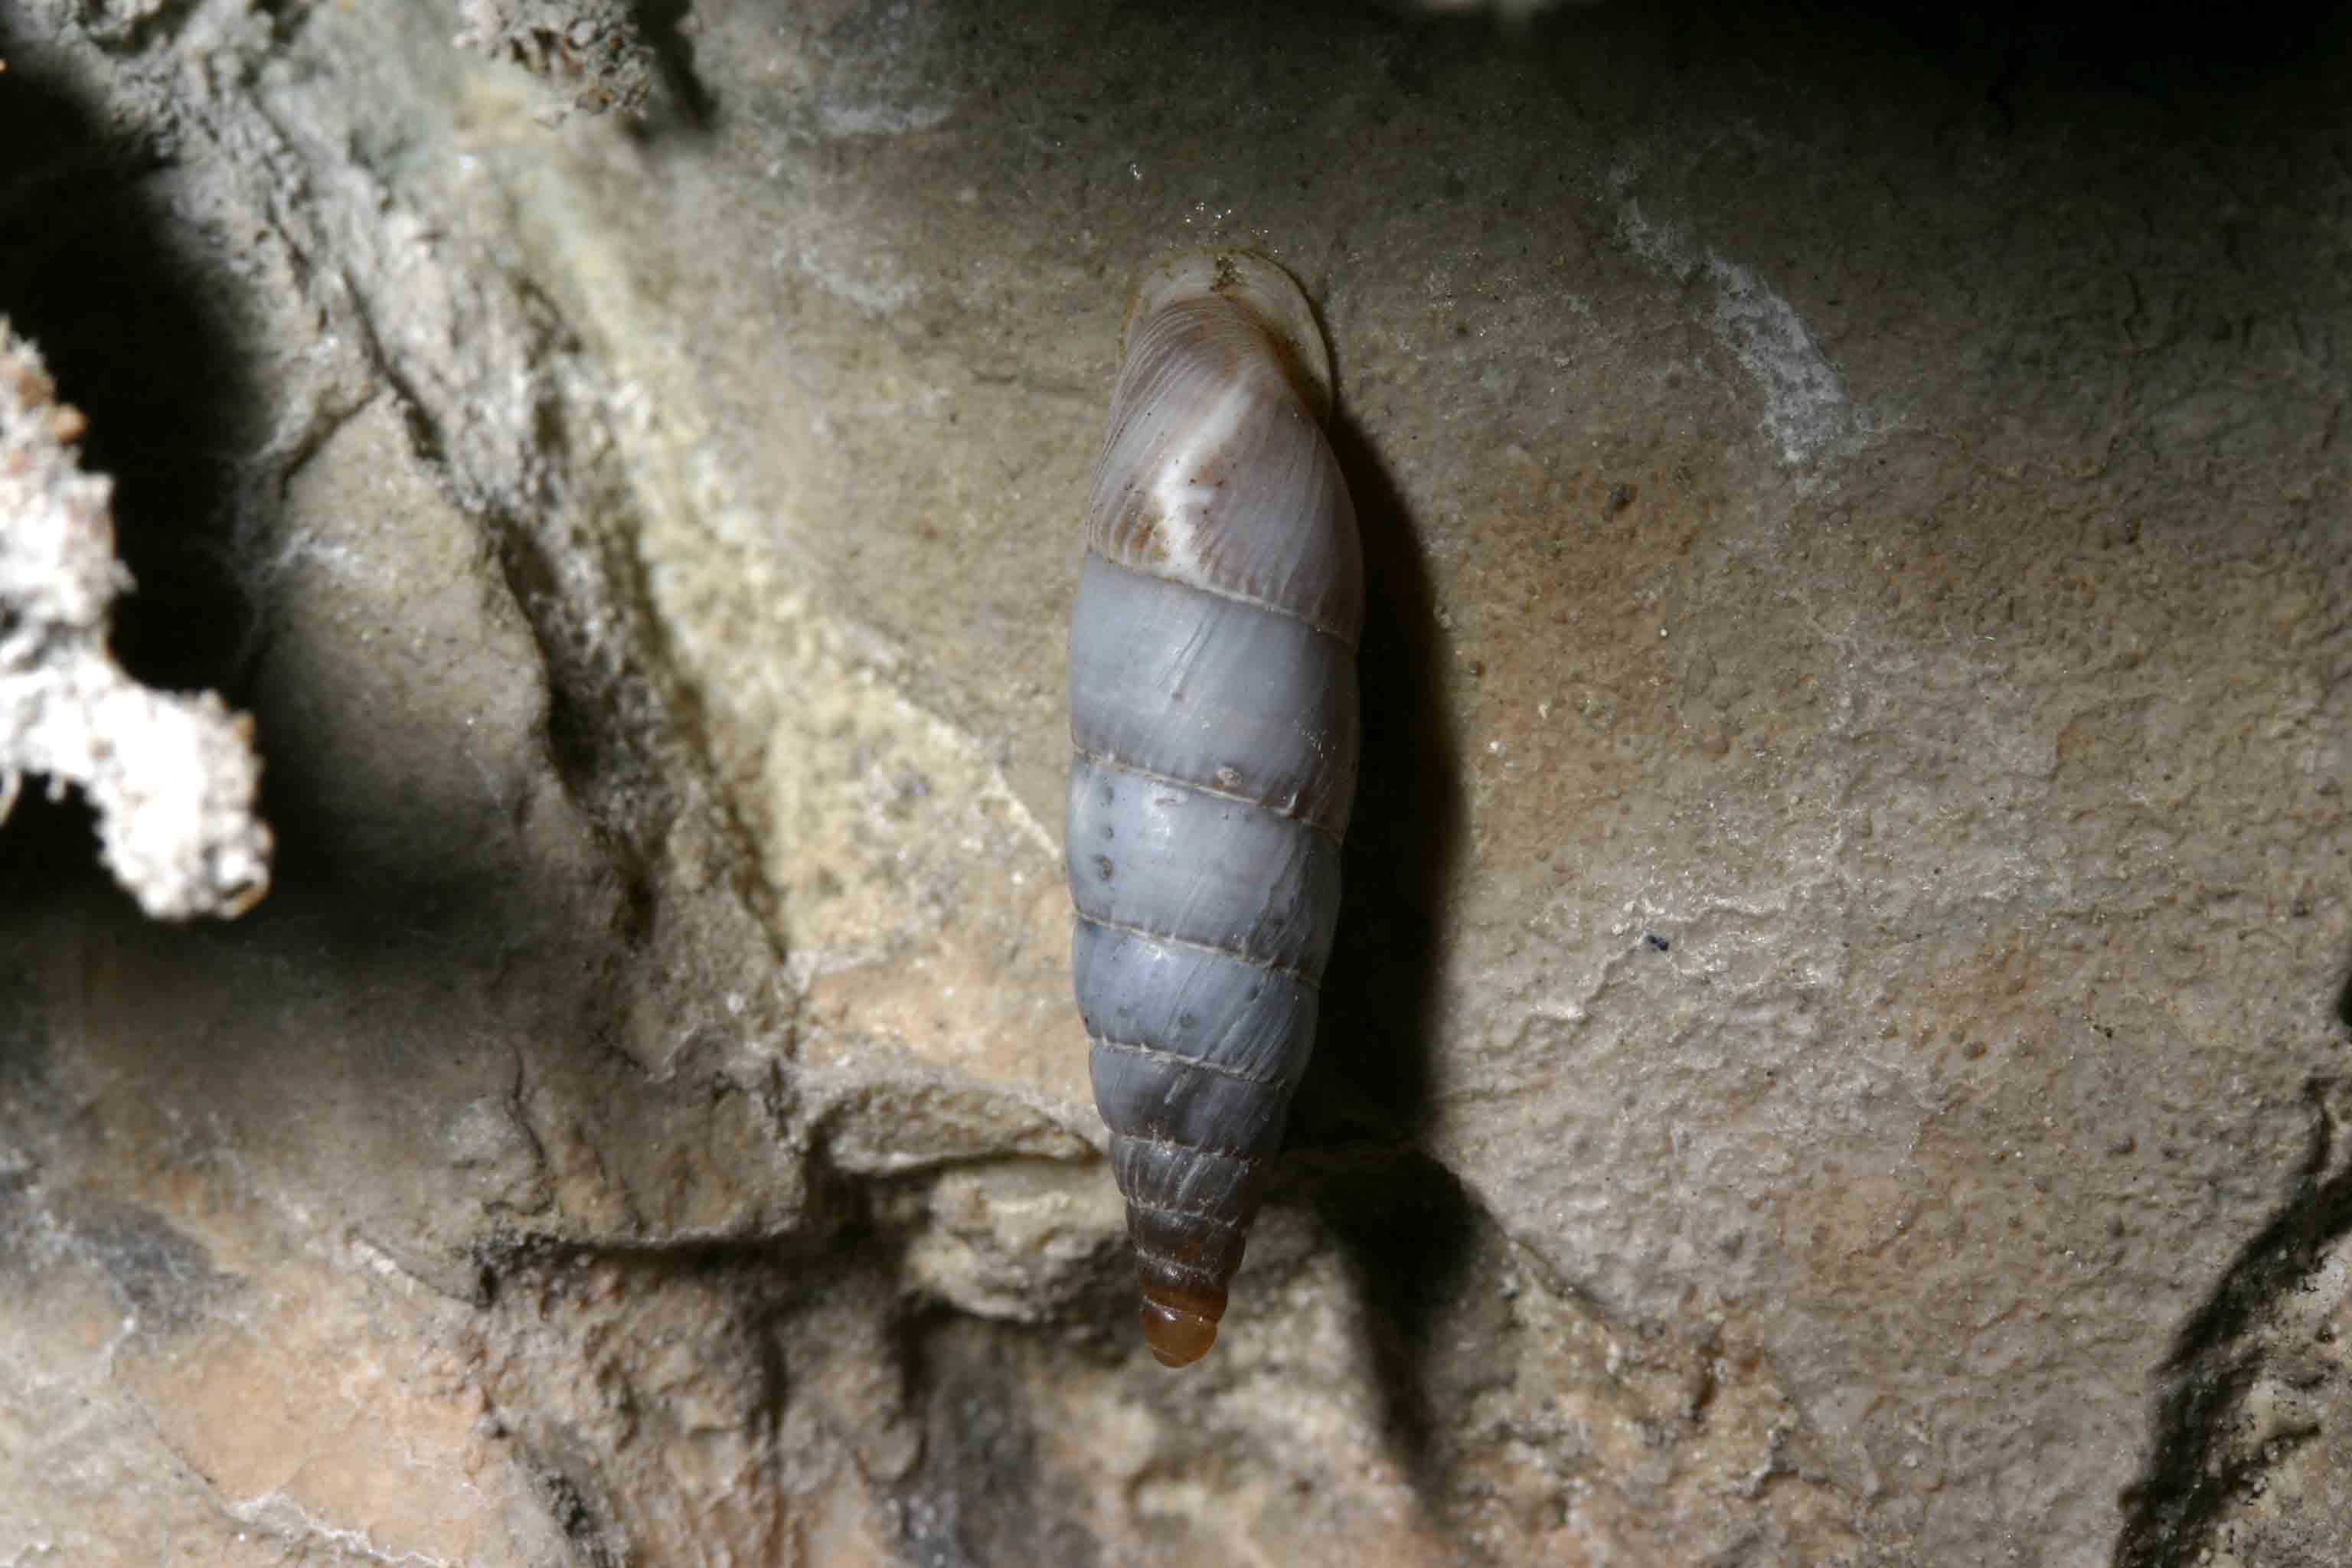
1178 1334
1261 290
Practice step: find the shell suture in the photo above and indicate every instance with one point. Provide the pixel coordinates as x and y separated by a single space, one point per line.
1212 713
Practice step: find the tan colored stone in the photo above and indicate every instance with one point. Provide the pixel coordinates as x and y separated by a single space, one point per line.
1829 1054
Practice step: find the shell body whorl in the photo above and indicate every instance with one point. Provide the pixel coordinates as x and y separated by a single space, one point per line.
1213 711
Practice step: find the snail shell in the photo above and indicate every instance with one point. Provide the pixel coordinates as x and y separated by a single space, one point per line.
1213 711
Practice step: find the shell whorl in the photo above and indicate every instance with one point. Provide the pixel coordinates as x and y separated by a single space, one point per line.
1213 709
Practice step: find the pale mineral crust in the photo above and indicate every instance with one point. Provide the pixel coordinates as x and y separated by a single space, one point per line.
174 779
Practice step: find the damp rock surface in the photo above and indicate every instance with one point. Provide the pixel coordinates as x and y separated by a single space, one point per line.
1832 1053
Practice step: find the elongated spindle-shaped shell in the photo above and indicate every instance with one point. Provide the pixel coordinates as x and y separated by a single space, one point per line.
1212 709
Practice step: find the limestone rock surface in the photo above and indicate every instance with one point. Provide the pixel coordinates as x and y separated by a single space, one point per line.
1837 1045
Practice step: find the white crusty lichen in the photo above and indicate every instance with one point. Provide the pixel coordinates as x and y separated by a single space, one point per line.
173 778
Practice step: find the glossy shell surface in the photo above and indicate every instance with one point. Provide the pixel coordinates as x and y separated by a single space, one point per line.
1214 715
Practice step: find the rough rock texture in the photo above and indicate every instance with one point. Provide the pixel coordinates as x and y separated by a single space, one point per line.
595 47
1836 1051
